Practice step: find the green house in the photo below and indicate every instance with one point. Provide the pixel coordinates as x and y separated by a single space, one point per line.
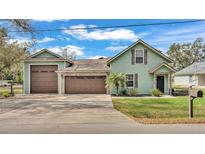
145 67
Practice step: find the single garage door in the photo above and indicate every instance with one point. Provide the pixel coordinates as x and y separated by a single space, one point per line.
44 79
85 85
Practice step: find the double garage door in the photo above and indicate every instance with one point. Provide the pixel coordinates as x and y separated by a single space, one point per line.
85 85
44 80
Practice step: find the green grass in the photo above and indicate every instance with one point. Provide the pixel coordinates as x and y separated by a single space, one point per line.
161 110
17 89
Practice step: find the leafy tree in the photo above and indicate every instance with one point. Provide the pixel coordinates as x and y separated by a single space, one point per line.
68 53
186 54
10 58
21 24
117 80
12 53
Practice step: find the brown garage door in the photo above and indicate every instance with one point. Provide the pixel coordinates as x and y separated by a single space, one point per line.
44 79
85 85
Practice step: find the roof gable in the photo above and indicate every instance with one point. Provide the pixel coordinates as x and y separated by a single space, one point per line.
45 53
146 45
162 66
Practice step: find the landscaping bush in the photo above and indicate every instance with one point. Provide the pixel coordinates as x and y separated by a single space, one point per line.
132 92
180 91
123 92
5 94
156 92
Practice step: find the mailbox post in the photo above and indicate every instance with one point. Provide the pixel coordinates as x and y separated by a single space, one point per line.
191 99
193 93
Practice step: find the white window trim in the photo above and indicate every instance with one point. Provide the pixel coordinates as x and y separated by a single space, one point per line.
136 56
133 80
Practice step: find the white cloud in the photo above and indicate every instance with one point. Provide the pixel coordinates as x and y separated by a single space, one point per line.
107 34
115 48
46 39
56 49
141 35
78 50
96 57
92 26
166 39
19 40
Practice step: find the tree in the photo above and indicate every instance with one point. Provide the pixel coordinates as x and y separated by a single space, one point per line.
117 80
21 24
186 54
68 53
11 56
12 53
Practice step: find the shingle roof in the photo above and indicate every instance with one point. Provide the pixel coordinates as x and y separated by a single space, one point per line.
88 65
196 68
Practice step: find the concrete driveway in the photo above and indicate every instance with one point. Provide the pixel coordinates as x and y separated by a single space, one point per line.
75 114
62 114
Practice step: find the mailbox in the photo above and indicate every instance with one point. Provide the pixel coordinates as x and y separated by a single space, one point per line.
195 93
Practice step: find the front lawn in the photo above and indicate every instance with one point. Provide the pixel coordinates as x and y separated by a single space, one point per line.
161 110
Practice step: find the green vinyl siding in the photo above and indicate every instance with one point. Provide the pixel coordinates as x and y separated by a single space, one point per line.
145 79
27 73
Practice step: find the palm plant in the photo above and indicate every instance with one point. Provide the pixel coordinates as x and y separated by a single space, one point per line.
117 80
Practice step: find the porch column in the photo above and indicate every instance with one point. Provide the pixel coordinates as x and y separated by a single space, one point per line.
170 83
154 83
59 83
62 84
108 90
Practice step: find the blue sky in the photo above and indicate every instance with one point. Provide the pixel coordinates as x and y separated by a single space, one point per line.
108 42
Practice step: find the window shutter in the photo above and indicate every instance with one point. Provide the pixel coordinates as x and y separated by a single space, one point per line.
145 56
136 80
132 56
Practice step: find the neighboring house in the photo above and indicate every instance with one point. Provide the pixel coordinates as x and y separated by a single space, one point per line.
146 68
4 83
191 75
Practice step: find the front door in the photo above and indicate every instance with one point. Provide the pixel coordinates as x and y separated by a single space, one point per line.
160 83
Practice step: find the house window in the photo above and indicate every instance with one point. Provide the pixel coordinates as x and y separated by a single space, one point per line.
129 80
139 56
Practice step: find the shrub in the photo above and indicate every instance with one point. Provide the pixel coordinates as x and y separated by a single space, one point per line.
5 94
132 92
156 92
123 92
180 91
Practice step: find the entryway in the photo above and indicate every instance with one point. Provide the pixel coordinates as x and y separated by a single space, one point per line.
160 83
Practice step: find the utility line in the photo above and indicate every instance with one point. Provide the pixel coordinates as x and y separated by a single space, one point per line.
116 26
